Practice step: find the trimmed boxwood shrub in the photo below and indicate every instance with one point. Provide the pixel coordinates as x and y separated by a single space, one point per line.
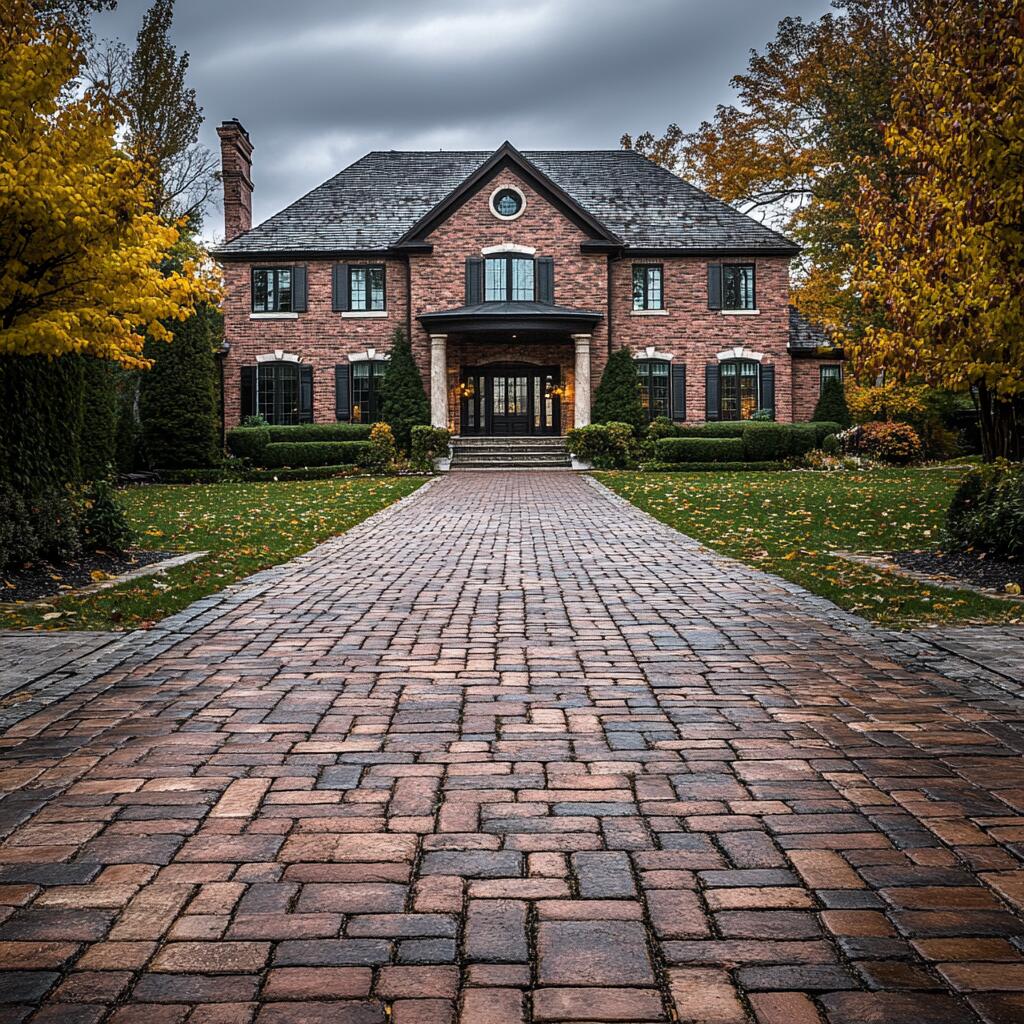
428 443
604 445
659 427
247 442
824 428
803 437
987 511
321 432
766 441
730 428
700 449
314 453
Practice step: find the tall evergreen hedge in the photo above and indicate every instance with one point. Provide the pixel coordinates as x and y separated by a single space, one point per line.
404 402
617 399
178 397
98 436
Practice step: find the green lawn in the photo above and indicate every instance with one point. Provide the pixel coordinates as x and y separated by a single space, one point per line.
788 523
245 527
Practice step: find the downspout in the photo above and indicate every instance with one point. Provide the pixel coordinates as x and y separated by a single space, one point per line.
609 290
222 351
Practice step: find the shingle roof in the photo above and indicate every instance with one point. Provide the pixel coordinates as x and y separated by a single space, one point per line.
373 202
804 334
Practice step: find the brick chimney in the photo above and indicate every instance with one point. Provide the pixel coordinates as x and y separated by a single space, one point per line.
236 170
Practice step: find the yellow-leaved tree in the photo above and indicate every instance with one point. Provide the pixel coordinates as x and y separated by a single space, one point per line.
85 266
944 266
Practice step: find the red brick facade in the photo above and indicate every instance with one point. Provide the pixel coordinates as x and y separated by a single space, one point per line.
687 330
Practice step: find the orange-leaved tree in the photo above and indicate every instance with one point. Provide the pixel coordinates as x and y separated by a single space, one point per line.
85 266
943 267
810 107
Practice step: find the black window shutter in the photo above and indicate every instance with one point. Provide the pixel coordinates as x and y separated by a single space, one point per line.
711 391
342 393
248 391
474 280
546 280
768 388
714 286
339 288
305 394
679 391
299 290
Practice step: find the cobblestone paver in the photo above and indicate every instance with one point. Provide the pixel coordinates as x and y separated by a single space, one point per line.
514 752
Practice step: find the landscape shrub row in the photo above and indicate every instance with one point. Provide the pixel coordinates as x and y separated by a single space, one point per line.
314 453
743 441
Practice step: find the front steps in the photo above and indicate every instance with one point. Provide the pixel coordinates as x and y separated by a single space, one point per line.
509 453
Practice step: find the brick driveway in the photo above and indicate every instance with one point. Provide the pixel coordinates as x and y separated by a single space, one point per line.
513 751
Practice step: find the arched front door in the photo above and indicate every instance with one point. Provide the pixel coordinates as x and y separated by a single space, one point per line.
510 400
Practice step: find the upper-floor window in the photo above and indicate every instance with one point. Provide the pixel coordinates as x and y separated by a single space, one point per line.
272 290
647 291
654 383
366 288
738 286
508 279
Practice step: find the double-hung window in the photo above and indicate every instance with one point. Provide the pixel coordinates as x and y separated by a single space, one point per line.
647 286
367 378
272 290
738 389
738 286
830 372
509 279
366 289
654 386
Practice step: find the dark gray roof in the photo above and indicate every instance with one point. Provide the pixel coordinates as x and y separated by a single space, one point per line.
372 203
804 334
506 316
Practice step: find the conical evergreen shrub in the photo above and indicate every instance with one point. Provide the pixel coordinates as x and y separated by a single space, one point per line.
617 399
404 403
832 407
178 396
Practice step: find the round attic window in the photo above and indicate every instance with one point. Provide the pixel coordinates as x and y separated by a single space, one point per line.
507 202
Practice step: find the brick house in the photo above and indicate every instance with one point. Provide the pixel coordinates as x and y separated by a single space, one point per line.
515 275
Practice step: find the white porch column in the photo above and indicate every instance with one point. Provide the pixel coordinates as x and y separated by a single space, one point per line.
439 381
581 405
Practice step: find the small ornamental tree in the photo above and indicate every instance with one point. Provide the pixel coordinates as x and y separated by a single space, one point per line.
617 399
178 397
404 403
832 407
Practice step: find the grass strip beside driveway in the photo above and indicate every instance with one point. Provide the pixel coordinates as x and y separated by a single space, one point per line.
246 527
789 523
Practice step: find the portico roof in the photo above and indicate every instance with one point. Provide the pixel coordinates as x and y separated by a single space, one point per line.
484 317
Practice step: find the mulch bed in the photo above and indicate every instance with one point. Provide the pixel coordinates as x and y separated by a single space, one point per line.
977 570
39 580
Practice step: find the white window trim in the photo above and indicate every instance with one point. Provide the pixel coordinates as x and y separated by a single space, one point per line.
494 250
652 353
279 356
740 312
273 316
508 188
648 312
365 314
739 352
370 355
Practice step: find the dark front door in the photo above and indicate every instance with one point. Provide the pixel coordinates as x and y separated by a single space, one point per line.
510 404
510 400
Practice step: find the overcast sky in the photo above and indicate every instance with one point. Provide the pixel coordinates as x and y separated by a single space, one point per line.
318 83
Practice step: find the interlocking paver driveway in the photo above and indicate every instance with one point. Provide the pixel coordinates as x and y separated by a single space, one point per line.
513 751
